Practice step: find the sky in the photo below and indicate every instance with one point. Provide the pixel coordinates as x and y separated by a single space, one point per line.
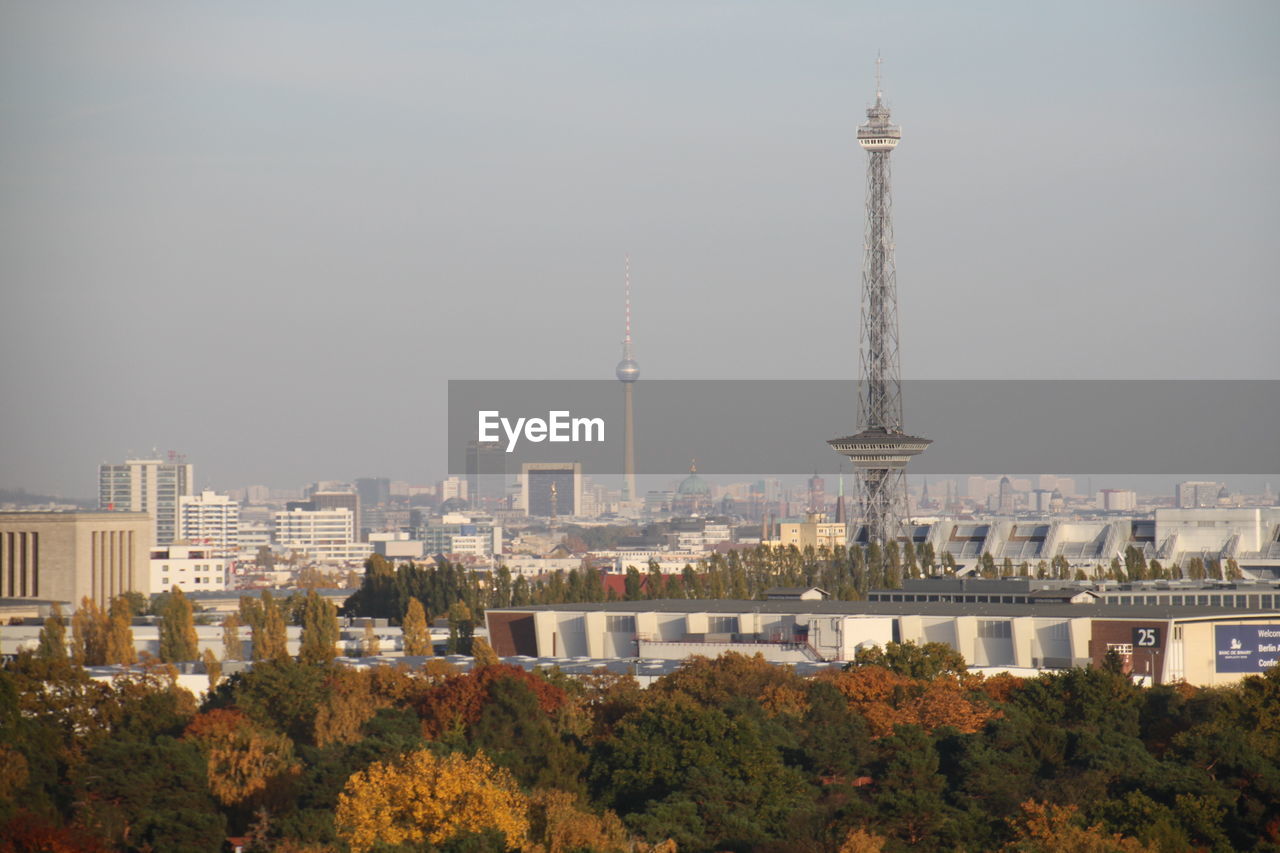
267 235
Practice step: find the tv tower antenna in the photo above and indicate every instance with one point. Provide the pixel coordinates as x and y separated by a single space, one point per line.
628 371
880 449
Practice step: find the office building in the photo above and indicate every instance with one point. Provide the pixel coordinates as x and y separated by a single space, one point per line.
552 489
152 486
210 519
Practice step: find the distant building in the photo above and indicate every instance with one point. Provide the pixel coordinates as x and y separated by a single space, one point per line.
811 533
486 472
193 568
374 491
1197 493
324 535
1118 500
66 556
152 486
210 519
552 489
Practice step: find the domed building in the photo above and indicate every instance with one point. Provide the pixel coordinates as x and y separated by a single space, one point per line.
693 496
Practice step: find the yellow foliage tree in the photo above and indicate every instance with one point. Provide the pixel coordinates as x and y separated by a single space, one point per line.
350 705
1046 828
417 636
120 633
483 653
89 629
557 825
423 798
862 841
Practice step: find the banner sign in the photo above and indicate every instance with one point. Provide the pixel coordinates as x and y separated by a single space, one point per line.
1246 648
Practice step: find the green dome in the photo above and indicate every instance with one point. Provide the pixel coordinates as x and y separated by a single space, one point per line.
693 484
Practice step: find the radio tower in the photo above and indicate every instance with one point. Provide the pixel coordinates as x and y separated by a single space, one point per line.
880 449
628 372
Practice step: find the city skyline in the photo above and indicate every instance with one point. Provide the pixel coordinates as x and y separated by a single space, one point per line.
215 220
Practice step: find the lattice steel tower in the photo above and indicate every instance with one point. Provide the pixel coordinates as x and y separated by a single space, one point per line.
880 449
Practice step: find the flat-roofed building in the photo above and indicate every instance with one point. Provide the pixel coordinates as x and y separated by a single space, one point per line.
192 567
67 556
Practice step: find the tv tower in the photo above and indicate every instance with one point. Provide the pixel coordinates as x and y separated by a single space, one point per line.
628 372
880 449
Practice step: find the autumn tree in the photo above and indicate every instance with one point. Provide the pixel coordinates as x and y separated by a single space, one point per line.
244 759
370 643
558 825
212 667
270 642
178 641
53 637
89 628
232 648
319 630
425 798
483 653
417 636
1046 828
120 647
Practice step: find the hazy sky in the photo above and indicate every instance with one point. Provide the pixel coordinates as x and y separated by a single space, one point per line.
267 234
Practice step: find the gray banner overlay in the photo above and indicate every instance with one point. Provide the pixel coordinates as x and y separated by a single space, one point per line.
781 427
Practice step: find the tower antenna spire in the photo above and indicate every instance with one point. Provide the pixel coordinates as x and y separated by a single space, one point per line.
881 448
627 291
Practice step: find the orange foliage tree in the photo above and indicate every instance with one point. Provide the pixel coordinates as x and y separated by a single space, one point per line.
423 798
244 760
460 699
887 699
1046 828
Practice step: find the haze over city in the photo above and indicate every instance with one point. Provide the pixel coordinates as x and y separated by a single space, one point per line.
267 237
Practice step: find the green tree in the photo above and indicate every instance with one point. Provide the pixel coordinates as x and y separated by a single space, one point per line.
270 642
417 636
518 735
53 637
926 661
178 641
319 630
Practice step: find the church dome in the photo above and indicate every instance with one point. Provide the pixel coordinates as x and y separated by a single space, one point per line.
693 484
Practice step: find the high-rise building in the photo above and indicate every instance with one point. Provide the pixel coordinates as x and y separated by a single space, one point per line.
1006 501
211 520
1199 493
880 449
152 486
373 491
552 489
486 466
628 372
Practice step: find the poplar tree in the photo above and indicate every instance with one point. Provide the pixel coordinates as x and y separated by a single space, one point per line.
120 633
270 642
89 634
417 636
231 646
53 638
178 641
319 630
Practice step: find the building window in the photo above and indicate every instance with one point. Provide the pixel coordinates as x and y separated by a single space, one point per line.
722 624
1120 648
620 624
1059 631
994 629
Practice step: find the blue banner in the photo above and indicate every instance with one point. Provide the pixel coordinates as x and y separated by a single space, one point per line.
1246 648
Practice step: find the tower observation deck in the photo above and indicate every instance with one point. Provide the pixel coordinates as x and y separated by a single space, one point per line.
881 448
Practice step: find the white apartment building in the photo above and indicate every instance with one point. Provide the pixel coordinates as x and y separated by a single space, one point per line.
210 519
192 567
152 486
324 535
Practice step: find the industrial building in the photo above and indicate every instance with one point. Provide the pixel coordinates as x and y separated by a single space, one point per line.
1201 644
